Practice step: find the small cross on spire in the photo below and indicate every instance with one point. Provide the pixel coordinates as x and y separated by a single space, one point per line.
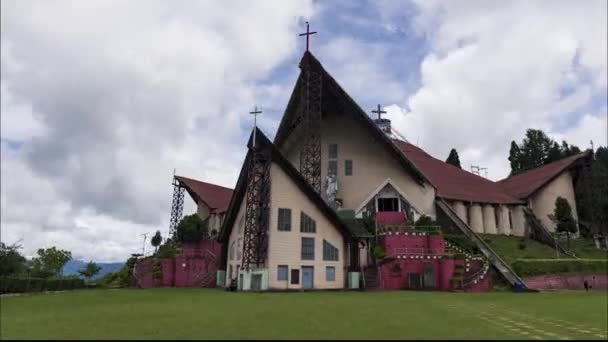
307 34
255 114
379 111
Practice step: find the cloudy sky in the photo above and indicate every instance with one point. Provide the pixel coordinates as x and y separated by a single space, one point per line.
101 100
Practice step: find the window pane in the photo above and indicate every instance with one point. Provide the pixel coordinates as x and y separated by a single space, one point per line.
295 276
307 224
282 272
330 253
284 222
348 167
333 167
308 248
330 273
333 151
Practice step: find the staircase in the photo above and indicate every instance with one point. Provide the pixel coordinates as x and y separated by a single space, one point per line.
541 234
370 278
473 272
493 258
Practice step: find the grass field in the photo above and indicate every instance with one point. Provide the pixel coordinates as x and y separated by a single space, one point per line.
507 248
216 314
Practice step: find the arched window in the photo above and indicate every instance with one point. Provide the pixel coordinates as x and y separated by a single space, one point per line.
232 250
239 249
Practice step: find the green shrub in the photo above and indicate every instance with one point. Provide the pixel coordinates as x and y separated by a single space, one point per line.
379 252
531 267
157 272
522 245
463 242
459 256
23 284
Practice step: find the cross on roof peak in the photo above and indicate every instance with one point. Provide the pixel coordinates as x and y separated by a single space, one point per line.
255 114
307 34
379 111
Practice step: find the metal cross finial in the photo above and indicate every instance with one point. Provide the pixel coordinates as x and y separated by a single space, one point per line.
307 34
379 111
255 114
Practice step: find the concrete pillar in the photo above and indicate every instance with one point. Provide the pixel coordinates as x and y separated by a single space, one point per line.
489 219
476 218
504 227
519 221
460 210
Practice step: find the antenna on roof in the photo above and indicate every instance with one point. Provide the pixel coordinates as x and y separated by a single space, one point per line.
591 142
475 169
143 249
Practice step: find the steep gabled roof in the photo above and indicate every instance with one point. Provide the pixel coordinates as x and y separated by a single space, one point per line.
333 93
263 144
454 183
525 184
214 196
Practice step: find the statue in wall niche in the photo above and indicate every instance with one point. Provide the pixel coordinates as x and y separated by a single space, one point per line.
331 186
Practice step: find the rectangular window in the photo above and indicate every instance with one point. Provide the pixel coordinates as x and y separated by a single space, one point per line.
330 253
284 219
388 204
307 224
295 276
308 248
348 167
333 151
282 272
333 168
330 273
230 272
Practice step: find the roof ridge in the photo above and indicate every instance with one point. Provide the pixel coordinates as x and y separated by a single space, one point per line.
574 156
207 183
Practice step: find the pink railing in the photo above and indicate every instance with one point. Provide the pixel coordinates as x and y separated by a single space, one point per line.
408 251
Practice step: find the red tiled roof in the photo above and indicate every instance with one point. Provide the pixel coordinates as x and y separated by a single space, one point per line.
452 182
214 196
525 184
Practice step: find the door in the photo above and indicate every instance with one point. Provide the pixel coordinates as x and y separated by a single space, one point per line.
428 278
414 280
307 277
256 282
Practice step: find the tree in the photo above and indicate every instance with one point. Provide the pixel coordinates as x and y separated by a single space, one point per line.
90 270
562 216
49 262
591 192
192 229
453 158
537 149
515 158
11 261
554 153
156 240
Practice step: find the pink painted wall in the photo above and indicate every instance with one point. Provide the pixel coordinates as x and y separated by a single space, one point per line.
195 267
442 272
428 244
568 281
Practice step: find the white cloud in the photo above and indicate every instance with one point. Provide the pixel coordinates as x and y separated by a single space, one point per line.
107 97
496 68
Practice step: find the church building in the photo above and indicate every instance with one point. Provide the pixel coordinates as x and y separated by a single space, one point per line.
295 218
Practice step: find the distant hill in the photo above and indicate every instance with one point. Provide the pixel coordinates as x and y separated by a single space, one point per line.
73 266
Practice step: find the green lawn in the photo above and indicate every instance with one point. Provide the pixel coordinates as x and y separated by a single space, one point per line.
216 314
507 248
